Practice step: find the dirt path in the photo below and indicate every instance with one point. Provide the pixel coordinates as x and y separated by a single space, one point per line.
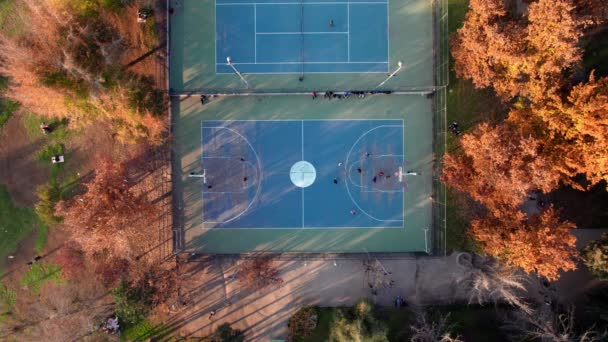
19 171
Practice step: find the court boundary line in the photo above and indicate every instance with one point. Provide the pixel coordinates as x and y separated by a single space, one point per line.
294 33
259 185
288 63
401 226
256 33
297 3
303 211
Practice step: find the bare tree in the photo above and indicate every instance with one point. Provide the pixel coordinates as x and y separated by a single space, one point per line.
492 282
549 326
426 330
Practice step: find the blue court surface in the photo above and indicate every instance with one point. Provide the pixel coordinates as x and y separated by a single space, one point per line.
302 36
303 174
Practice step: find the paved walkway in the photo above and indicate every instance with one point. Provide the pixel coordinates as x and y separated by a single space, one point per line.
210 286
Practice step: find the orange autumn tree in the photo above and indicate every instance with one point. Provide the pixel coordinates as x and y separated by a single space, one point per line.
541 243
518 51
110 217
499 167
577 128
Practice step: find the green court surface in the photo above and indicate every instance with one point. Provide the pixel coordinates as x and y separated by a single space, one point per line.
236 191
302 45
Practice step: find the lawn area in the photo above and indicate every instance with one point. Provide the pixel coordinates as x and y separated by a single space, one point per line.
467 106
15 223
473 323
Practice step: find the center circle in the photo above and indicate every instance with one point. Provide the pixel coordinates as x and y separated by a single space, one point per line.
302 174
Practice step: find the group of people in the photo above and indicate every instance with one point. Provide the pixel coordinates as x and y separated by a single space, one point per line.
454 128
344 95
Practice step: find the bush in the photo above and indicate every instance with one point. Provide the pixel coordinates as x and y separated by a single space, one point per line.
60 79
357 324
302 323
143 95
48 195
595 257
225 333
132 303
71 258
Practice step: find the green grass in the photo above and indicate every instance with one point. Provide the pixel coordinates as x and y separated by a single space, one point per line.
8 297
48 151
321 333
398 321
10 24
474 323
42 237
39 274
467 106
144 331
7 108
16 223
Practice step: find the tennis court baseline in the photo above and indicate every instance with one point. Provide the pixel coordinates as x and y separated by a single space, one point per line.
303 174
302 36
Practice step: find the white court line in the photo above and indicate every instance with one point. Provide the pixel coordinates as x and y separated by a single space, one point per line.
255 31
302 122
347 3
348 30
298 227
298 4
291 120
259 162
280 63
309 72
388 38
347 167
279 33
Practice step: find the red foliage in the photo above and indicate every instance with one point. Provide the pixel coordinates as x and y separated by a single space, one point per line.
71 257
110 271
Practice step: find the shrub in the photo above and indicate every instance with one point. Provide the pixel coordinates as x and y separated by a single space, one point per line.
48 195
302 323
225 333
110 270
61 80
595 257
357 324
71 258
132 303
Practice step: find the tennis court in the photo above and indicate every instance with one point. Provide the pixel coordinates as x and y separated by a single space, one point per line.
300 45
292 174
297 36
